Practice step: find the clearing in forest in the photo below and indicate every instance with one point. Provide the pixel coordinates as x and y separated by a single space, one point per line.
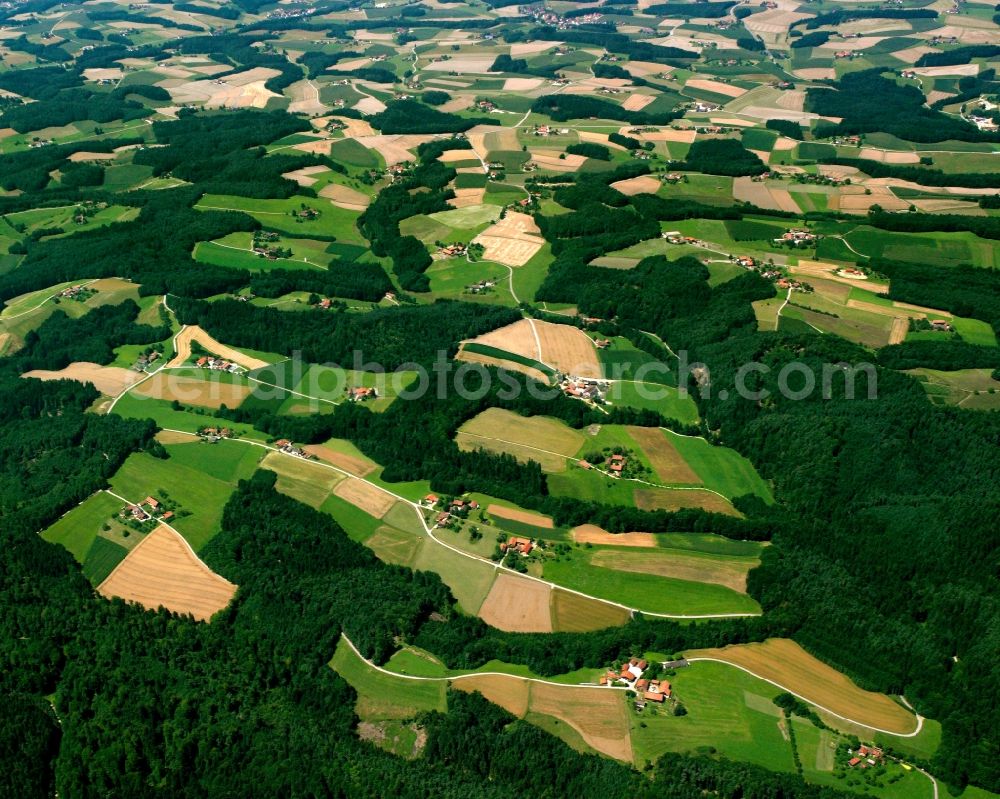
163 570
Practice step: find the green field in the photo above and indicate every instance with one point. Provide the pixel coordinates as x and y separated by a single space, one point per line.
728 711
647 592
720 468
332 223
78 528
654 397
191 485
353 153
386 702
161 412
102 558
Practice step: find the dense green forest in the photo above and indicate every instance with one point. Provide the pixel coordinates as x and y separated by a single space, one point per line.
870 102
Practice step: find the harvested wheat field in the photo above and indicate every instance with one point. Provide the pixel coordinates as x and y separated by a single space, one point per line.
391 148
788 665
592 534
356 128
531 48
673 499
345 197
163 570
524 516
573 613
305 98
644 184
550 160
513 240
176 437
371 499
599 715
518 338
728 572
663 455
304 176
510 693
81 156
195 333
667 134
897 333
452 156
816 73
517 604
636 102
961 70
349 463
568 349
792 100
715 86
369 105
242 90
109 380
466 197
206 393
463 64
598 138
102 73
646 68
522 84
889 156
854 200
315 147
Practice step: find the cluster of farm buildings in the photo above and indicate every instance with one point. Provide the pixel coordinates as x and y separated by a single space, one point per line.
522 546
456 507
797 237
631 675
286 446
866 756
217 364
149 508
584 388
213 434
76 293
